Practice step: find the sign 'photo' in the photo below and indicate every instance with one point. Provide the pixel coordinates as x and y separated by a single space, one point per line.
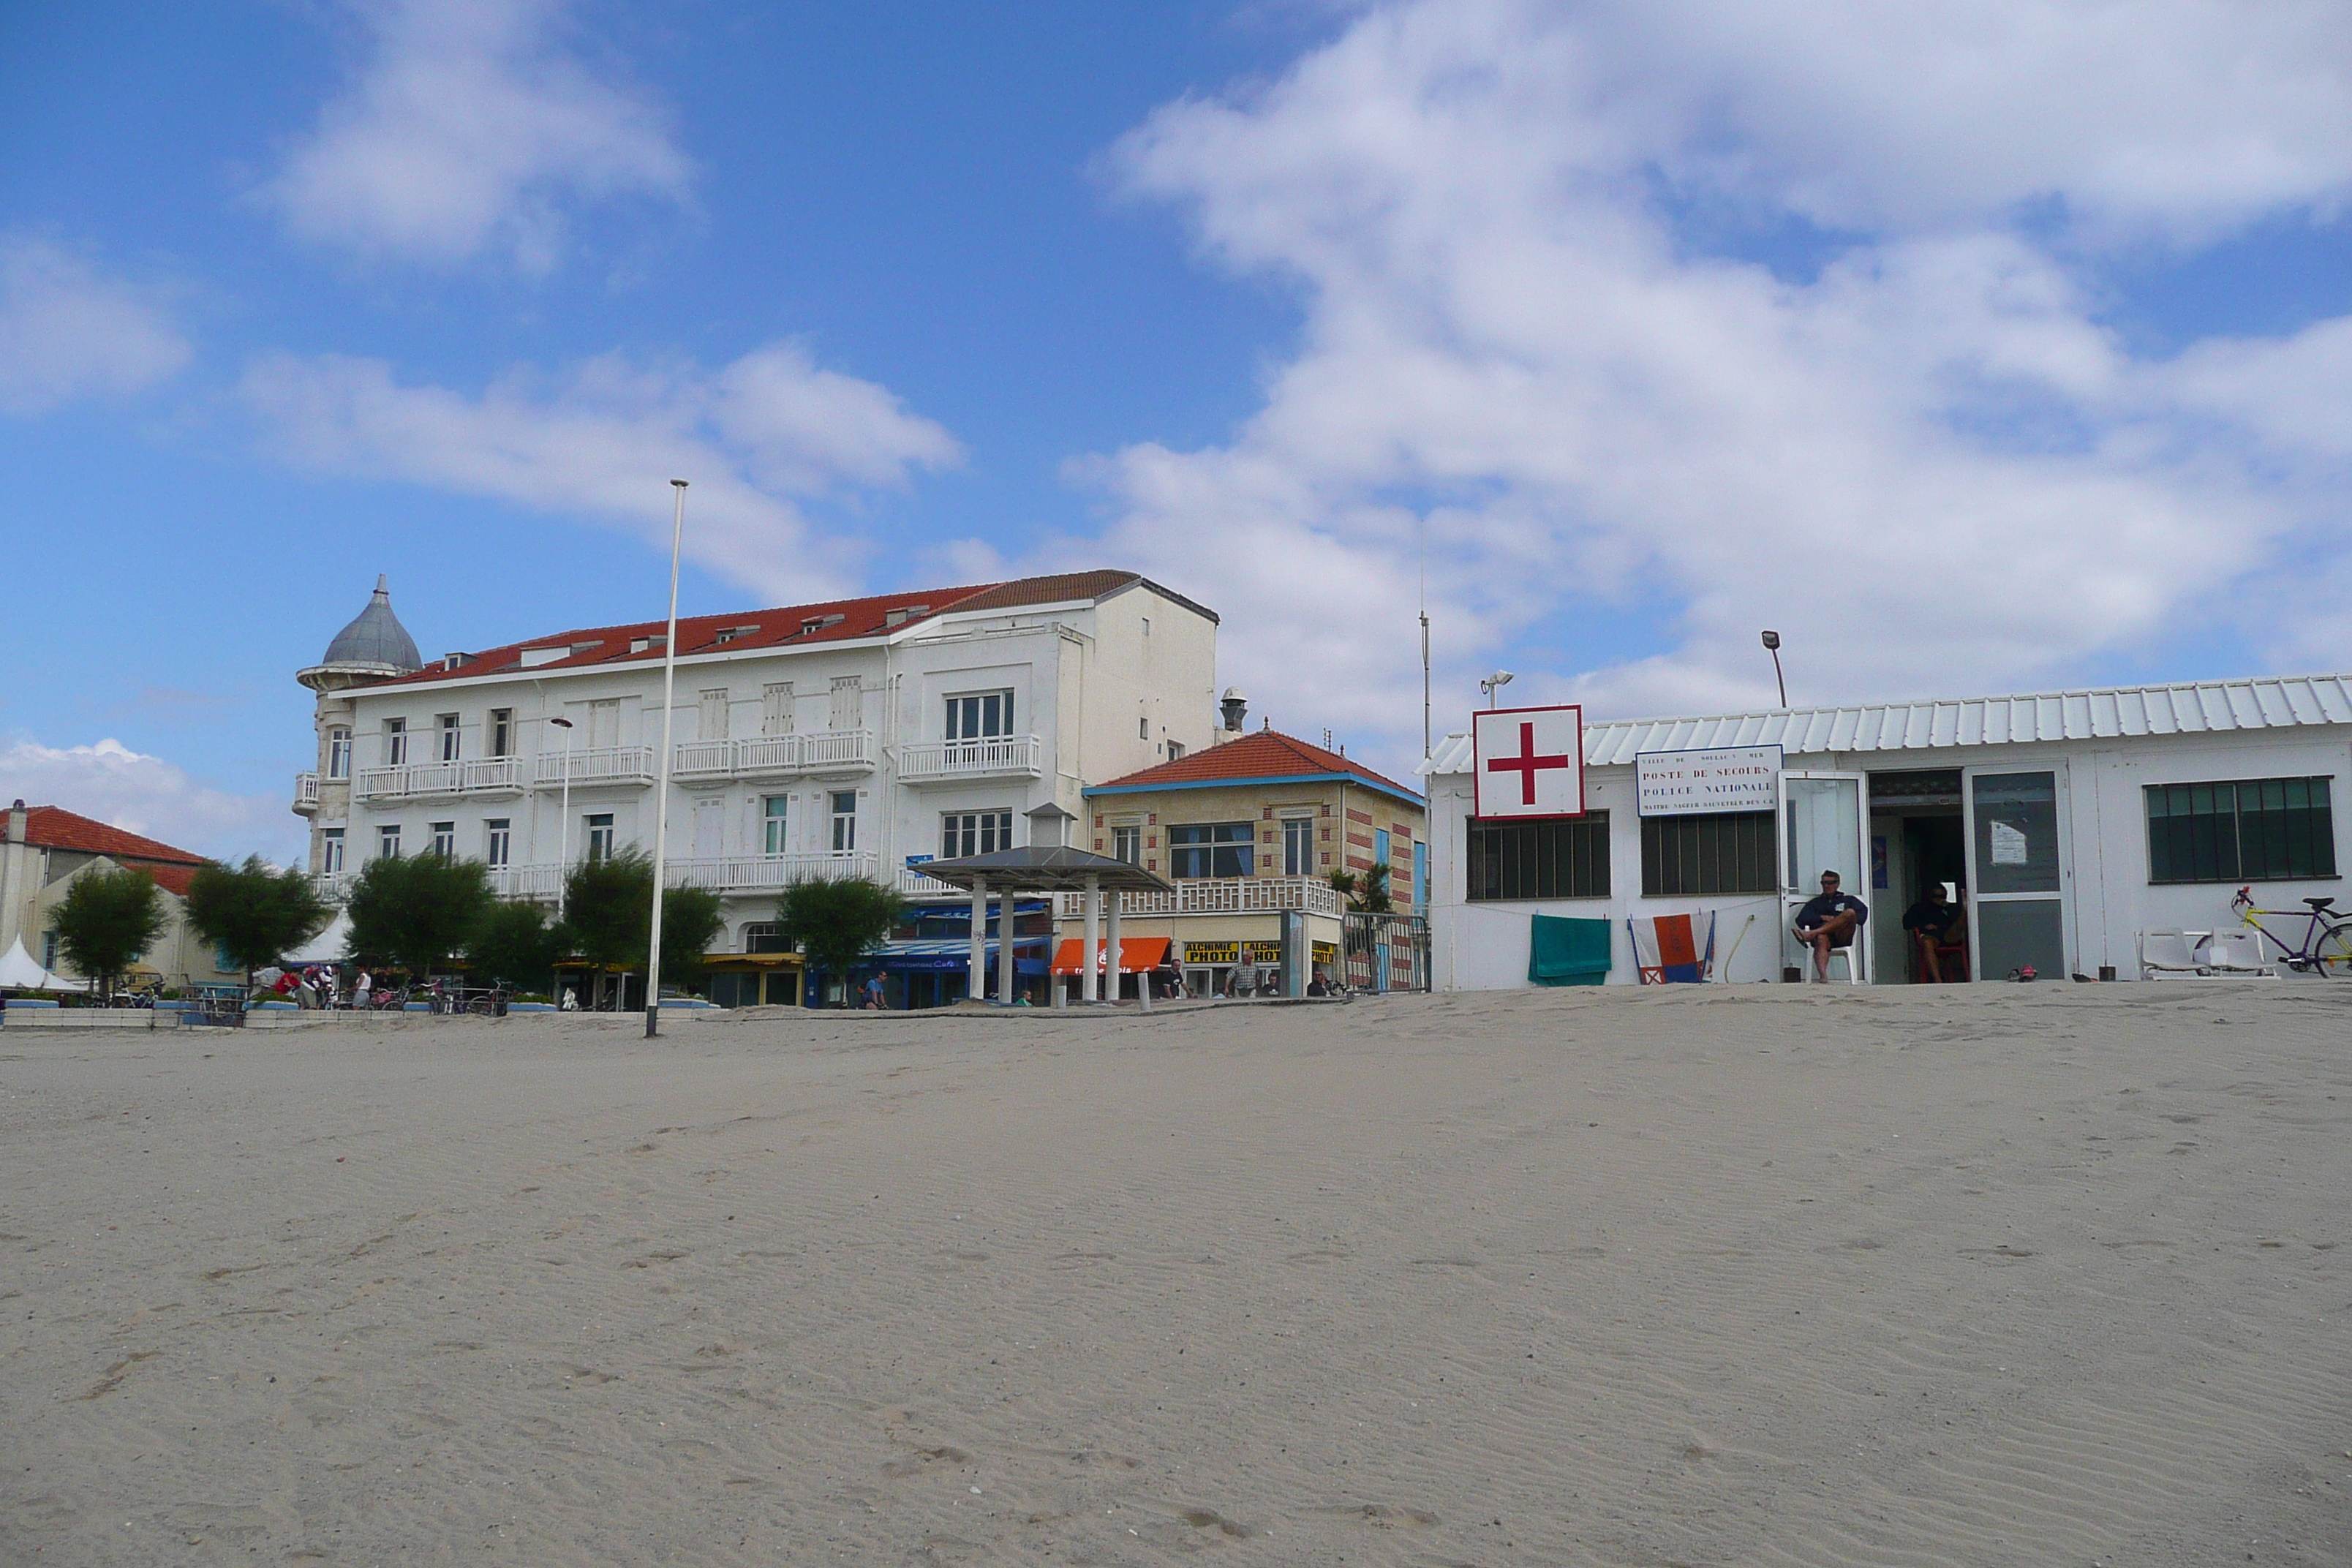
1528 762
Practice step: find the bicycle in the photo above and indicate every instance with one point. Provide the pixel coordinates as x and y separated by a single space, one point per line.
2327 945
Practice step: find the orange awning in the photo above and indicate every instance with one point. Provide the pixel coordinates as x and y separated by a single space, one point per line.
1136 954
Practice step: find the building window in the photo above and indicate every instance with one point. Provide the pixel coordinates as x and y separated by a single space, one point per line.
974 833
1298 846
331 850
498 839
765 936
605 724
49 950
710 719
599 836
447 724
844 821
1142 729
1564 860
395 742
1724 852
1175 750
776 708
445 840
1210 849
984 716
1127 844
848 703
387 841
2253 830
772 824
339 752
502 732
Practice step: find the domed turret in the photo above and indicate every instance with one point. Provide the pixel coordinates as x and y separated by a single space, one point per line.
374 646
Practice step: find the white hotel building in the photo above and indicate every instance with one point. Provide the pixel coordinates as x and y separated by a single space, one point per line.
815 740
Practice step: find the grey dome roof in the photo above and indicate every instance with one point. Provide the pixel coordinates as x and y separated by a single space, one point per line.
375 637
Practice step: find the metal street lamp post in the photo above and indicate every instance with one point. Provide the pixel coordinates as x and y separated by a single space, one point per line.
1494 683
564 823
1773 643
661 769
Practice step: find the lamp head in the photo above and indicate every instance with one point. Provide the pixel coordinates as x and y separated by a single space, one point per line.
1772 640
561 723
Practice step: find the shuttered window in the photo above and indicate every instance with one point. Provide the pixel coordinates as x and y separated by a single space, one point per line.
1564 860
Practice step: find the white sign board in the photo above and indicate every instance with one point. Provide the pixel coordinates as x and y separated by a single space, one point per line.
1529 762
1683 783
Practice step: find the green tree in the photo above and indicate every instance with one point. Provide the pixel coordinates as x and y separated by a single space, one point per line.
1367 891
517 943
608 909
415 910
255 913
106 920
837 922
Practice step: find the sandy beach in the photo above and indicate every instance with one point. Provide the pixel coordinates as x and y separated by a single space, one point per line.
1986 1276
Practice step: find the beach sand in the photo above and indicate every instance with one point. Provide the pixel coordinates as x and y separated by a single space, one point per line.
1774 1275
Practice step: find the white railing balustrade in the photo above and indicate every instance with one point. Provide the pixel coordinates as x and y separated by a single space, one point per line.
775 756
484 776
332 886
543 881
1000 756
731 873
594 765
1225 895
916 885
306 789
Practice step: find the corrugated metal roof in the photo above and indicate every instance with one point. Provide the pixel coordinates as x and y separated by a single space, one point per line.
2102 713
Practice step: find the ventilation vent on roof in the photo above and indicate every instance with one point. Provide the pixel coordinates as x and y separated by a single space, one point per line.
904 613
818 622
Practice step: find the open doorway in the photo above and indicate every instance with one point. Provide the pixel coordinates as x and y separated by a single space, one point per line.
1916 840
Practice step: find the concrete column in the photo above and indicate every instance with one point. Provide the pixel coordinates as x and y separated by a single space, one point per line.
979 938
1004 902
1089 987
1110 942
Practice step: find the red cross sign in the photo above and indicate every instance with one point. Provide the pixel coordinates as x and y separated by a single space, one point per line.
1529 762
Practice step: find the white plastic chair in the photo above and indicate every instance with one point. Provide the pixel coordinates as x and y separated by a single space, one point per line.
2237 952
1837 955
2172 952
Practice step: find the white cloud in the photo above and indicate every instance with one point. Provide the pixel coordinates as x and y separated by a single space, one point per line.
604 437
472 130
149 796
69 332
1929 465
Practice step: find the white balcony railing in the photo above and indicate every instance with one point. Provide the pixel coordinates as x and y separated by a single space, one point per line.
595 765
1225 895
1000 756
306 791
332 886
527 881
775 756
483 775
731 873
916 885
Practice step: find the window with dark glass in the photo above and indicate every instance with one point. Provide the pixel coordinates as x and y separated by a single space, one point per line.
974 833
1711 853
1568 859
498 840
2250 830
981 717
765 937
1210 849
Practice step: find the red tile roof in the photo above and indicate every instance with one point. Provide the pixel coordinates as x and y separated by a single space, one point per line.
55 827
172 878
1260 755
793 626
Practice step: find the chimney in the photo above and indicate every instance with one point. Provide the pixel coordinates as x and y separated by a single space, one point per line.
1234 710
16 823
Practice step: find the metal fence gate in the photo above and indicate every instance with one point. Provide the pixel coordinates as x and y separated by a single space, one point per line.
1385 952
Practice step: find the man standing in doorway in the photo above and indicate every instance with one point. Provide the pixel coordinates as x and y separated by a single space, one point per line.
1830 921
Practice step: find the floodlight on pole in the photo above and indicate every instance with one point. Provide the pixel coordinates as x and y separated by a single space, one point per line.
563 822
1494 683
1773 643
661 769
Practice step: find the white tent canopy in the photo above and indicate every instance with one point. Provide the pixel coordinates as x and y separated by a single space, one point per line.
19 972
327 947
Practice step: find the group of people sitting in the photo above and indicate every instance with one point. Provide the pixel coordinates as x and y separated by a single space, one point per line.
1831 921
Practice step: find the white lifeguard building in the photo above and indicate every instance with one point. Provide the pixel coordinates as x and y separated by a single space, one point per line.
2070 824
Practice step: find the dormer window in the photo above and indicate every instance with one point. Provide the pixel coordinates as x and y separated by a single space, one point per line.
452 661
904 613
645 645
728 634
818 622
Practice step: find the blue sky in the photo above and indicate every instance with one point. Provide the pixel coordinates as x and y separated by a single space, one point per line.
2007 346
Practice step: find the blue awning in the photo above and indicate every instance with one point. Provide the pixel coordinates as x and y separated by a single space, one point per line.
953 954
